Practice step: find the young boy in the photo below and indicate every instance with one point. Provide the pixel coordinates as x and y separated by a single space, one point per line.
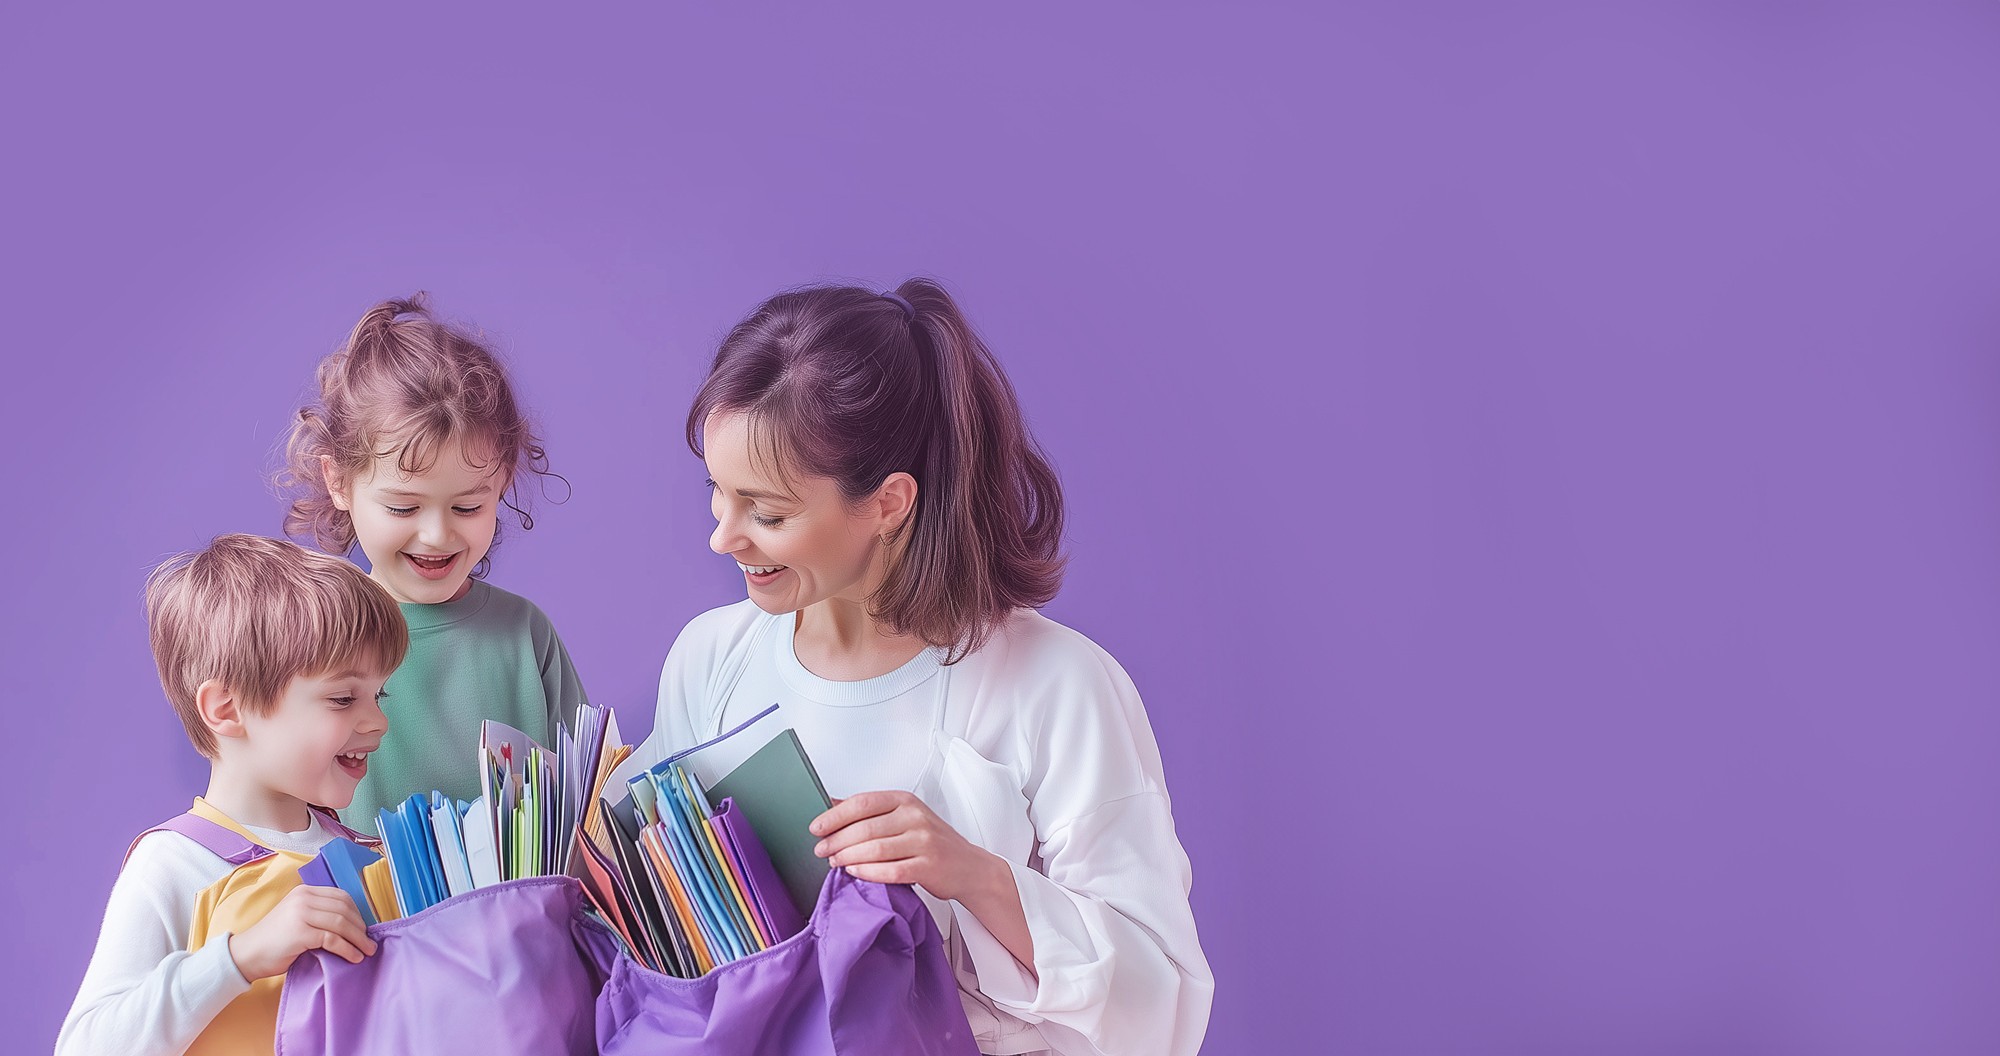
274 657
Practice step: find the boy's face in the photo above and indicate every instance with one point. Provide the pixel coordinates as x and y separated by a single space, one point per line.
313 746
424 532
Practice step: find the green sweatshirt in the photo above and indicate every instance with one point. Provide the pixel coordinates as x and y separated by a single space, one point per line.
488 655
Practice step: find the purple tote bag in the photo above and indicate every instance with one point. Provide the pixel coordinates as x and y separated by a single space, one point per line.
522 968
504 969
866 977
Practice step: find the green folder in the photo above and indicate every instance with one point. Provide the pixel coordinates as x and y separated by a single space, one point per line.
779 794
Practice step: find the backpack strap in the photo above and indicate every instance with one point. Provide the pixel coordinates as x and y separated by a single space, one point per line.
332 821
722 681
232 847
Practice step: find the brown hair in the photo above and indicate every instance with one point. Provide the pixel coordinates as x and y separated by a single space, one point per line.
403 384
254 613
845 383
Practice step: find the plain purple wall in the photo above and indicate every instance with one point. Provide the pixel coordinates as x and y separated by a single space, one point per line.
1539 467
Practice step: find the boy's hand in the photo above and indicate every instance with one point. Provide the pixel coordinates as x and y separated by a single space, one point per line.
307 918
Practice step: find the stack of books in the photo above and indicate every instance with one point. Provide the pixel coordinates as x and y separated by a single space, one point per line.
670 857
683 873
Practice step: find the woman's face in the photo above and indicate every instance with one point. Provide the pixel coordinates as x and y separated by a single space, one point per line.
798 543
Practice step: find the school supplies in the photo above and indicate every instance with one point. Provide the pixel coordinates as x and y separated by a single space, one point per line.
677 865
425 843
763 768
673 918
701 882
777 794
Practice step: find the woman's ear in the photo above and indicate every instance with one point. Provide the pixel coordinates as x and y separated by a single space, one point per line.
336 483
895 501
219 709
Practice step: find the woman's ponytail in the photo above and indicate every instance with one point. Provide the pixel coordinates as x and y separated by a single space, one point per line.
987 487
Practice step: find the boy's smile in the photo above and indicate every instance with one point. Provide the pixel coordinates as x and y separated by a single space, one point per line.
356 762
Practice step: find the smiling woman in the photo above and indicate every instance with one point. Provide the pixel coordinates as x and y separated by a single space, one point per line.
797 540
897 529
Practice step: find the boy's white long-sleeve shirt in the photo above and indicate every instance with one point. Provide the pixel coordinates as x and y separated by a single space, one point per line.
144 993
1036 748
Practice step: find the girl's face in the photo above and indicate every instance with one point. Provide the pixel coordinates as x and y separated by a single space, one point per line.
799 543
424 532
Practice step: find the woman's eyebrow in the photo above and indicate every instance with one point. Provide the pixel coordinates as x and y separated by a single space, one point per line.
752 493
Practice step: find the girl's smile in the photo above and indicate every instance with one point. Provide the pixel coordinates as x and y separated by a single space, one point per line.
432 566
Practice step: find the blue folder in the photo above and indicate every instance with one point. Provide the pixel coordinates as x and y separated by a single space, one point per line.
339 864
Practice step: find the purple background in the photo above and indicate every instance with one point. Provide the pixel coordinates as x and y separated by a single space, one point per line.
1538 466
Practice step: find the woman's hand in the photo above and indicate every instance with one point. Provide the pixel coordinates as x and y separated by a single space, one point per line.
893 838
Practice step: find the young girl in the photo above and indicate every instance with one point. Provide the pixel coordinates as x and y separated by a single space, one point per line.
413 447
897 528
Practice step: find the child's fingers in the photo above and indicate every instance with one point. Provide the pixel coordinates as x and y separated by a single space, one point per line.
346 917
350 945
338 945
342 927
353 928
362 942
355 935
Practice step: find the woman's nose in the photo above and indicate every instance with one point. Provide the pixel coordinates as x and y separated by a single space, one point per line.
725 539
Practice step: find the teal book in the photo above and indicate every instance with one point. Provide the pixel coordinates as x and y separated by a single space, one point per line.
779 793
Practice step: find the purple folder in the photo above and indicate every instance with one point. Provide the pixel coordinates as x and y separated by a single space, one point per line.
771 902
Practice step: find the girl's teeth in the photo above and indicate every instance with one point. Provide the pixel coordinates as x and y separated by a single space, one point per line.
759 569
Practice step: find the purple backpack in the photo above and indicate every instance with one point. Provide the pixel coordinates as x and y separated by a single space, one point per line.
521 967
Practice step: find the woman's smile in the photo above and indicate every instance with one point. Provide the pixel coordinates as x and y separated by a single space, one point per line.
761 575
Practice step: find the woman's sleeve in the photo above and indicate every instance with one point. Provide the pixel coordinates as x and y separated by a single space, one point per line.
1118 966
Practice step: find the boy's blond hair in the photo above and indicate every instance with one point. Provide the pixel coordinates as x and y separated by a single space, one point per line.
254 613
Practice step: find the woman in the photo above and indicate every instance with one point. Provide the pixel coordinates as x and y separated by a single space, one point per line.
898 528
